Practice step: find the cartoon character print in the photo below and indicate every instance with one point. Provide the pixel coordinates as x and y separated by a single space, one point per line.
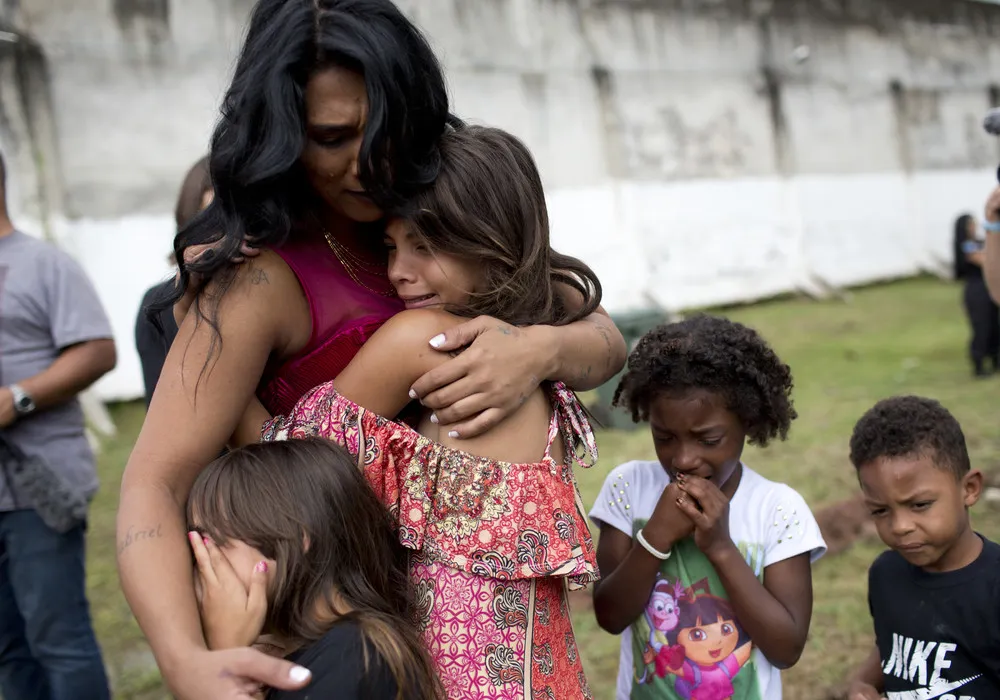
707 647
661 616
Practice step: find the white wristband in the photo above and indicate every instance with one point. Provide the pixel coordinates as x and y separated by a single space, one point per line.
662 556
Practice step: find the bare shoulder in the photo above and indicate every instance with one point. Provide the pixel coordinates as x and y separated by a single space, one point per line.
264 290
408 335
420 325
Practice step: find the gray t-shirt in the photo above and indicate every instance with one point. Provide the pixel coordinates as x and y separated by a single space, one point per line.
46 305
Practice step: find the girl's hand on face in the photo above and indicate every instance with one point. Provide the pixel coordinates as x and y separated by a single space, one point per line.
708 508
231 615
489 381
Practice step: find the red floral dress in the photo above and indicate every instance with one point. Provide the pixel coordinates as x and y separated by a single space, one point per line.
495 545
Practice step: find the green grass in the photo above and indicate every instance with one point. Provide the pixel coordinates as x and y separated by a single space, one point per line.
908 337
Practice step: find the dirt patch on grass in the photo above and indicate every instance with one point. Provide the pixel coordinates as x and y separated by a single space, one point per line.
844 523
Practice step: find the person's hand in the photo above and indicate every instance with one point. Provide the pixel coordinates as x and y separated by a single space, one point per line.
863 691
487 382
7 413
993 206
668 524
231 615
708 508
233 674
193 254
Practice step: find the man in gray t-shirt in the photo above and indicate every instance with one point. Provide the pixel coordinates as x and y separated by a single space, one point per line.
55 340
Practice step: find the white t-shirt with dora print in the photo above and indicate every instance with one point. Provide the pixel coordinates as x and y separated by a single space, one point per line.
769 522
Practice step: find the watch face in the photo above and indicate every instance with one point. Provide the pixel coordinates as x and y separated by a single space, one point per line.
24 403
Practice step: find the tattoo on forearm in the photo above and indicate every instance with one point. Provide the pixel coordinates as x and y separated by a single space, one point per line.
258 276
133 535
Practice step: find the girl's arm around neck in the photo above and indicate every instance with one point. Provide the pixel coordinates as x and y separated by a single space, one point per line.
775 613
381 374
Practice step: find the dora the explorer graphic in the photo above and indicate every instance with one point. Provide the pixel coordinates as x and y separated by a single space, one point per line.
695 640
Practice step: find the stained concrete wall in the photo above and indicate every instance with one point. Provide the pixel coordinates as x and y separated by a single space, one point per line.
694 151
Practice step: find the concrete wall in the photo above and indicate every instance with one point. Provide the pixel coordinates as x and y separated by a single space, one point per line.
694 151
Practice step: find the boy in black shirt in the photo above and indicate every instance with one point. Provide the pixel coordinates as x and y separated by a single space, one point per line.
935 596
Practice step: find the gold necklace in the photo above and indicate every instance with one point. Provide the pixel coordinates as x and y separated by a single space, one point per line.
342 253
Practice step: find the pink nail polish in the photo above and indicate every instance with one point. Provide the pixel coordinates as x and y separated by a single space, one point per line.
261 567
206 540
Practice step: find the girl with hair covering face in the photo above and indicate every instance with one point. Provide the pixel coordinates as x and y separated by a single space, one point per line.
332 121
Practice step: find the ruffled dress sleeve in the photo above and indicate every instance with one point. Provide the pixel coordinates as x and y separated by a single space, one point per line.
482 516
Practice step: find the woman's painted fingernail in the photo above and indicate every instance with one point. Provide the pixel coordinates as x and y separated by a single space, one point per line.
192 535
453 434
437 341
299 674
434 418
413 394
207 540
261 567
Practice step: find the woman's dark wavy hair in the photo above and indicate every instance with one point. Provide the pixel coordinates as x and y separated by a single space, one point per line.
488 205
962 265
306 505
260 190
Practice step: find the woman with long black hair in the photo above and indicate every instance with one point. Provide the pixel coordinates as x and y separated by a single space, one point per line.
332 122
983 313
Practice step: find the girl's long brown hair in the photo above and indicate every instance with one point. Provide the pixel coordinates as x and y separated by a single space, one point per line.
306 505
488 205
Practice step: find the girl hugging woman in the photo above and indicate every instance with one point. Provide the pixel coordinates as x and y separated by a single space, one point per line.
495 522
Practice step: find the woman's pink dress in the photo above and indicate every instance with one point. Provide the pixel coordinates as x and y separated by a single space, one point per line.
496 545
344 316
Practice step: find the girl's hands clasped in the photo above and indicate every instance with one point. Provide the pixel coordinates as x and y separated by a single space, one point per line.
231 614
669 523
708 508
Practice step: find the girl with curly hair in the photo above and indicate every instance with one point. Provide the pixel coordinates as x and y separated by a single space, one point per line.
702 520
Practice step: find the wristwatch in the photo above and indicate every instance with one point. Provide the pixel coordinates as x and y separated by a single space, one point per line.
23 403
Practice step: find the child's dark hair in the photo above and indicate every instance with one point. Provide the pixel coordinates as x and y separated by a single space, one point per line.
306 504
905 426
717 355
487 204
704 610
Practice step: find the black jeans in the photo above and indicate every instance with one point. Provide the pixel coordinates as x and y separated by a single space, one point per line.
984 316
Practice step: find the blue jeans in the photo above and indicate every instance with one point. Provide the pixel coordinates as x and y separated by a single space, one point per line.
48 650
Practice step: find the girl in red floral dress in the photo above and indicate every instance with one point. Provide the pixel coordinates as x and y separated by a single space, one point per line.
495 522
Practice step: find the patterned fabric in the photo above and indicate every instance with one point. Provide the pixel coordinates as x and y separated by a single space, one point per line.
496 545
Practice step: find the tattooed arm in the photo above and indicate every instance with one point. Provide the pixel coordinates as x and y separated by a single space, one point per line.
206 383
